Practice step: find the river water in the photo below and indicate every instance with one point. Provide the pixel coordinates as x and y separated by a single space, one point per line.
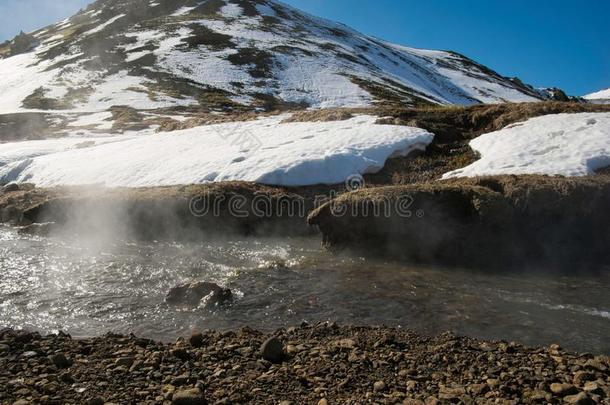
83 288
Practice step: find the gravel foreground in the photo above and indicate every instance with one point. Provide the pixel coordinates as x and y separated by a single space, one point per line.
321 364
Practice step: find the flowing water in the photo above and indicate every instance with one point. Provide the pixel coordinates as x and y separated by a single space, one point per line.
51 284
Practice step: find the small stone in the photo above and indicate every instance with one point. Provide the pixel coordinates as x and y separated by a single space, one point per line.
593 388
60 360
450 393
66 377
562 389
272 350
594 364
432 401
96 401
410 401
379 386
180 353
29 354
21 402
196 339
323 401
578 399
345 343
478 389
191 396
581 377
493 382
126 362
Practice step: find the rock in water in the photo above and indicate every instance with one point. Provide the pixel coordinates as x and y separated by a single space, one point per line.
272 350
194 294
191 396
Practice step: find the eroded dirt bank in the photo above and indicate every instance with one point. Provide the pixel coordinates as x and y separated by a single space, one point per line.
501 221
321 364
177 212
505 221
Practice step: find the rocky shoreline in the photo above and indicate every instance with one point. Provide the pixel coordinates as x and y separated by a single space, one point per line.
319 364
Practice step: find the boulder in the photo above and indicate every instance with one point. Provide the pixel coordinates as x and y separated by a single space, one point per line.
272 350
192 396
204 294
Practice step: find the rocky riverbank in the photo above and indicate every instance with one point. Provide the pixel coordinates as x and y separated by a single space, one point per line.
321 364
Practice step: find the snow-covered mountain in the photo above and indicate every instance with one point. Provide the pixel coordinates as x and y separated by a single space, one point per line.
601 97
210 54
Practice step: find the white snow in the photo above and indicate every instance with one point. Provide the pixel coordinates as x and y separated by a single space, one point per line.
104 25
558 144
602 94
263 151
100 120
600 97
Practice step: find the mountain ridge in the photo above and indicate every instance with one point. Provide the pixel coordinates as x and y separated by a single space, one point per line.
231 54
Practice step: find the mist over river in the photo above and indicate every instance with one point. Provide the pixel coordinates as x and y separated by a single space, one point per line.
86 288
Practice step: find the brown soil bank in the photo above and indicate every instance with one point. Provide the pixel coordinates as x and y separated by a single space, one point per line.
322 364
502 221
161 212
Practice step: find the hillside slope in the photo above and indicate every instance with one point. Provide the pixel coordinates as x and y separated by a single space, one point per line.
599 97
229 54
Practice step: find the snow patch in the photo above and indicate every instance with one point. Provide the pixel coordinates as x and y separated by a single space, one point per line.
104 25
558 144
264 151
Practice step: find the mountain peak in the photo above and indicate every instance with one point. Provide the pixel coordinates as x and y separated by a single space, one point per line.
232 54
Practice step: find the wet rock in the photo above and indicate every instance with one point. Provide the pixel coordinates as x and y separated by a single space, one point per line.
272 350
191 396
203 294
38 229
60 360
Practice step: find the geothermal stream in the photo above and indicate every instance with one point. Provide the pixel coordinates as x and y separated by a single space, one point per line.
89 287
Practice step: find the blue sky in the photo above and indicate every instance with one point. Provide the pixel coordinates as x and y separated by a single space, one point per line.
564 43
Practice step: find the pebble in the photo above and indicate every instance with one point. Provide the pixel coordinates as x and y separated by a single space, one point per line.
272 350
60 361
191 396
578 399
562 389
196 340
379 386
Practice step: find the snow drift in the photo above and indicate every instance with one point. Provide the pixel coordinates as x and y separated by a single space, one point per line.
264 151
557 144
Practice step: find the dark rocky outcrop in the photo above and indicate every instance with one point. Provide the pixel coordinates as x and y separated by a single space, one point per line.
204 294
22 43
502 221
